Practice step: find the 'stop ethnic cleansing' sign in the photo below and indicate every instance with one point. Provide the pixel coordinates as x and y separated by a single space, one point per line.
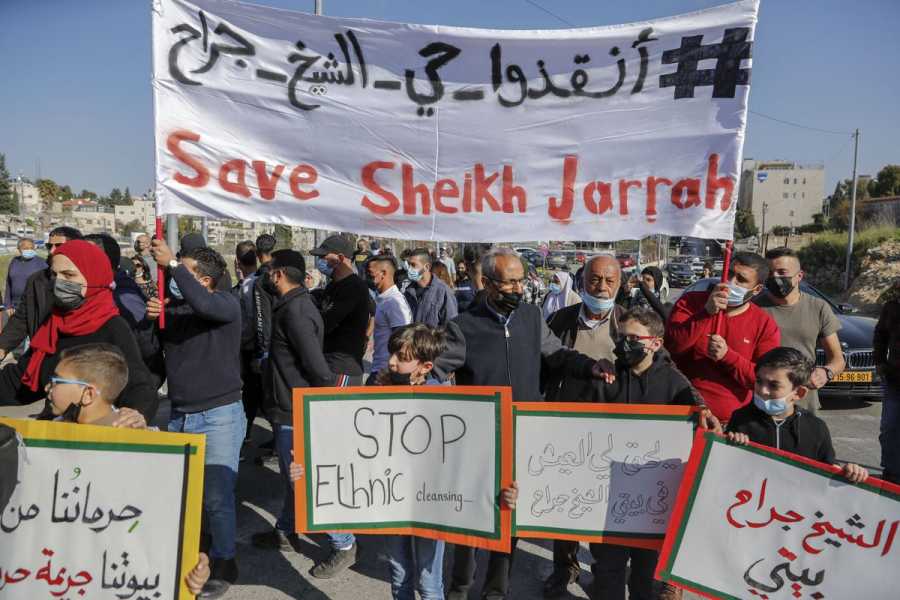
429 132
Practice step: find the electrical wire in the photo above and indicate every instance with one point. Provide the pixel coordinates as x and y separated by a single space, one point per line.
792 124
551 13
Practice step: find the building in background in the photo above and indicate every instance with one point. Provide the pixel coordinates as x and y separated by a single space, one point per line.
781 193
141 210
29 197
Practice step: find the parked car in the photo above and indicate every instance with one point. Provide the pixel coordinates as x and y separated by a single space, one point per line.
859 378
626 262
681 275
557 260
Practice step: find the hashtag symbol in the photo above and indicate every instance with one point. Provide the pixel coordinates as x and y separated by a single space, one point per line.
724 78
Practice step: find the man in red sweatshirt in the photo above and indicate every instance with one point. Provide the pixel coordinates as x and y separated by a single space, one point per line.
720 365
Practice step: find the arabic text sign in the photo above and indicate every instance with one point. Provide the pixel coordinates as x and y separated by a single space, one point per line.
753 522
101 513
431 132
599 472
428 461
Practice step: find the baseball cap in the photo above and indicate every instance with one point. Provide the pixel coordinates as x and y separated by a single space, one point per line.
191 242
335 244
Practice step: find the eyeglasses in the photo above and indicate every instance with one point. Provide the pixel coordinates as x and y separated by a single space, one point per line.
58 380
510 283
53 247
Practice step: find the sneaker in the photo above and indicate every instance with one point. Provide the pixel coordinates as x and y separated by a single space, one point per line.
274 539
223 573
557 585
336 562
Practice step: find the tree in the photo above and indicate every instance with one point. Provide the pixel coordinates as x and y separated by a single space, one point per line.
130 227
9 200
886 183
48 190
745 224
126 197
819 219
115 197
87 194
65 192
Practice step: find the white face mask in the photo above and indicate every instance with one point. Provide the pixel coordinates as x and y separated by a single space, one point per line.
737 295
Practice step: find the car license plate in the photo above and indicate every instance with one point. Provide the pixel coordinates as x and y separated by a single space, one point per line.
854 377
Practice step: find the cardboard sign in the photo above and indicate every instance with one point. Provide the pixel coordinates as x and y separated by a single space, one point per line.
101 513
599 472
451 133
427 461
755 522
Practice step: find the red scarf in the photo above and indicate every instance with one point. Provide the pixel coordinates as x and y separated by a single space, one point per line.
97 309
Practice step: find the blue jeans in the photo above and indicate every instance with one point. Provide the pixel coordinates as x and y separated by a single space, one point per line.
224 428
284 446
416 562
890 433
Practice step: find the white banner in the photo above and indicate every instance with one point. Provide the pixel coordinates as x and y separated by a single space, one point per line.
599 472
755 523
101 513
431 132
427 461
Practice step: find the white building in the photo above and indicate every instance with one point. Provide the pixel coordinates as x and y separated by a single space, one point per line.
142 211
29 197
94 219
781 193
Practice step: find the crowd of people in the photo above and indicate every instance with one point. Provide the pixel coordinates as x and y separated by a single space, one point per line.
84 328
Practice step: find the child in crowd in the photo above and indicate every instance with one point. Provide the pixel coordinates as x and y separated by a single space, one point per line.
416 563
643 375
87 381
772 419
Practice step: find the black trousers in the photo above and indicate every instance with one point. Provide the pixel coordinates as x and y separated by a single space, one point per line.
252 393
565 557
610 569
499 567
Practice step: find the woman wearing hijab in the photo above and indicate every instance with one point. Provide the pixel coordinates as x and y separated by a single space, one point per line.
84 312
560 295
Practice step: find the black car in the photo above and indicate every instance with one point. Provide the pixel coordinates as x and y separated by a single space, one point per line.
681 275
859 378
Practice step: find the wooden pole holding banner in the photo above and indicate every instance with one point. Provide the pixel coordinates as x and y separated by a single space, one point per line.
726 265
161 278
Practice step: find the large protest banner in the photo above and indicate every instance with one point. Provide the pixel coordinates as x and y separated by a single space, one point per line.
428 461
755 522
101 513
459 134
599 472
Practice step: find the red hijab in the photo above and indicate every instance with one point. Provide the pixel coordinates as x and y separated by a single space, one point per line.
97 309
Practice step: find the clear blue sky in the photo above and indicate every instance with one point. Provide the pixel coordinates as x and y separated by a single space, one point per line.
76 76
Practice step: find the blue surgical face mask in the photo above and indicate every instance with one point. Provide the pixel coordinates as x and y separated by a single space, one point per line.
412 274
324 268
775 406
554 288
737 295
174 290
597 305
28 254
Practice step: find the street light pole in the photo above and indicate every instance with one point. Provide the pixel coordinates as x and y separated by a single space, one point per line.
852 212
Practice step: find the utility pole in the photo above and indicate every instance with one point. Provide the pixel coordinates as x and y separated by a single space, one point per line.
852 212
762 237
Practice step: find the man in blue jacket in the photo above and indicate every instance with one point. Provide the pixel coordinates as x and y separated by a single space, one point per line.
429 298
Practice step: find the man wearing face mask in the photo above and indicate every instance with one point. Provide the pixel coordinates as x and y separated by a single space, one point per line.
21 268
346 307
720 365
502 341
432 302
803 321
391 309
36 301
202 344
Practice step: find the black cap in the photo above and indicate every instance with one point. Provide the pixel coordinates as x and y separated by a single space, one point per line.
191 242
335 244
288 258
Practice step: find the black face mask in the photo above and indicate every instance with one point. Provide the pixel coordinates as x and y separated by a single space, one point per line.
399 378
268 286
780 286
70 415
630 353
371 283
508 301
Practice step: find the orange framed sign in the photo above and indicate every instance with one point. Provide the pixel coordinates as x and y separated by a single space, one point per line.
599 472
101 512
427 461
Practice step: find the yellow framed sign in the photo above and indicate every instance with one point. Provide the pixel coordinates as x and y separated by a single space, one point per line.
101 512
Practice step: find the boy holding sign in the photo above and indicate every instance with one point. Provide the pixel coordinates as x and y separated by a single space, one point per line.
772 419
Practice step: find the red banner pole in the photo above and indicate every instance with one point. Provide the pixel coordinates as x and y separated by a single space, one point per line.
726 265
161 278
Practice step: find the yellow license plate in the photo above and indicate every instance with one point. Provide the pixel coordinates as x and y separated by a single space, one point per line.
854 377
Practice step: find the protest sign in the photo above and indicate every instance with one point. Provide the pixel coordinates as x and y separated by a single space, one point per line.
599 472
428 461
101 513
451 133
755 522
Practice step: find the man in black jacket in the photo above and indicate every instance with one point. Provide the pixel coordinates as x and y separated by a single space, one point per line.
202 341
503 342
296 360
346 308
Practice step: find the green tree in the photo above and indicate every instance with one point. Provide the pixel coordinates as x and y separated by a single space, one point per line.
9 200
126 197
130 227
115 197
745 224
886 183
186 225
65 192
87 194
48 190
